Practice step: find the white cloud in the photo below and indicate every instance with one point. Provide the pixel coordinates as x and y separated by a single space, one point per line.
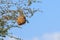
48 36
51 36
35 38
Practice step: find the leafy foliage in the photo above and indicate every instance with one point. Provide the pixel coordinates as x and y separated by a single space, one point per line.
9 17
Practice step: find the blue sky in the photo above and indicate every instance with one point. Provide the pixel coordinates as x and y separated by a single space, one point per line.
41 23
46 22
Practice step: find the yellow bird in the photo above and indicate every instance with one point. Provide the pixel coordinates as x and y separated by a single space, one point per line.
21 19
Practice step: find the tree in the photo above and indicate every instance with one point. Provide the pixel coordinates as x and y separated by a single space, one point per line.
9 17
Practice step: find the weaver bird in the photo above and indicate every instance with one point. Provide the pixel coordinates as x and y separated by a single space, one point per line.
21 19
